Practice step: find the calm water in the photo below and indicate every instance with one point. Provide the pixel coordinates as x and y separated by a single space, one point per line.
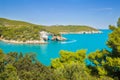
46 52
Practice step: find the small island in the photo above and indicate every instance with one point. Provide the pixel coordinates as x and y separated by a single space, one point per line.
20 32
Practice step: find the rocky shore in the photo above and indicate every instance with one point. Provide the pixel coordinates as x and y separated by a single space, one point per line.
26 42
82 32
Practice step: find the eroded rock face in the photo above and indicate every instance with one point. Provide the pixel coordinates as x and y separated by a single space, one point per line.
58 38
44 35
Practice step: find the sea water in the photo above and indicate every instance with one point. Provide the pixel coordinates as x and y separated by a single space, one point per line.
46 52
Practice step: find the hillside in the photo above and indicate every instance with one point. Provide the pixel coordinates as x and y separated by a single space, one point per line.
69 28
13 23
22 31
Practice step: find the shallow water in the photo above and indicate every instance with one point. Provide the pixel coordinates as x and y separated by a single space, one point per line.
46 52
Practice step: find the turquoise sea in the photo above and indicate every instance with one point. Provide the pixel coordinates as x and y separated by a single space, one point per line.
46 52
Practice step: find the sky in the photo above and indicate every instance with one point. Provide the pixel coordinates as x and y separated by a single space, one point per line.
95 13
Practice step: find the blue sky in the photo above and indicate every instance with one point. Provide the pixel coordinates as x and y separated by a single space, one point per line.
95 13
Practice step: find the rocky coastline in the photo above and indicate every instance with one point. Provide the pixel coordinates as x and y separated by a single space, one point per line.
83 32
54 38
26 42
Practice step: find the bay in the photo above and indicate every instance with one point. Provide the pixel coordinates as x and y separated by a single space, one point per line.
46 52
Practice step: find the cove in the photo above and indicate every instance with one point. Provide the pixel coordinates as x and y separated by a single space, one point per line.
46 52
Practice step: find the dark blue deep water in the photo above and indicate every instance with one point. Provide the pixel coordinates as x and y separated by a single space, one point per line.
46 52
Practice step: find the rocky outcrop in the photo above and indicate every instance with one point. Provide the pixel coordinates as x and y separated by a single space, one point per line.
44 35
58 38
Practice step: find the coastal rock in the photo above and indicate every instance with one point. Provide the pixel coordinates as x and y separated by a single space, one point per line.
44 35
58 38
